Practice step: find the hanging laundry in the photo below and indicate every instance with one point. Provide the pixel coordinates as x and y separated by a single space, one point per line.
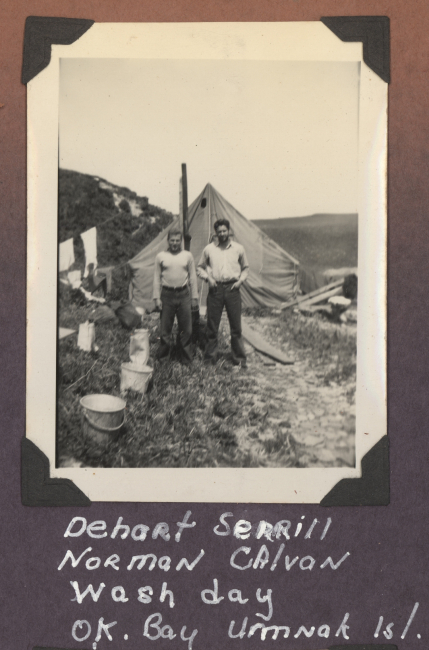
66 254
89 239
75 278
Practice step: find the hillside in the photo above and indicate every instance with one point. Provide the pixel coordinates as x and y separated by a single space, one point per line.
125 222
319 241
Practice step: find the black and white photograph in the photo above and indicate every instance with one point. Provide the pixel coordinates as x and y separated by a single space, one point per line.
211 243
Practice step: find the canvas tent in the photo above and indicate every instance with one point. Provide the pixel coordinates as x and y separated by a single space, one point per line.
273 273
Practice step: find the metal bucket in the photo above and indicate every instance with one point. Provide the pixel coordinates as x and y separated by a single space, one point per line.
102 416
135 377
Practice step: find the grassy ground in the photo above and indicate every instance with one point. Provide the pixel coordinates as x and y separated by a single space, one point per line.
331 349
190 417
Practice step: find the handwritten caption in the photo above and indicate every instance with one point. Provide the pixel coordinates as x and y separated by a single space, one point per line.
271 554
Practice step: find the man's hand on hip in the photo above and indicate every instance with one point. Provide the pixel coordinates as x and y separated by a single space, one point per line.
212 282
236 285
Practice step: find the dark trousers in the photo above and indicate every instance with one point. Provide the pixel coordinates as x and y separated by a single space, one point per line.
219 297
176 303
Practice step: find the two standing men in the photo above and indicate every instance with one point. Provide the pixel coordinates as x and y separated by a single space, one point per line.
224 266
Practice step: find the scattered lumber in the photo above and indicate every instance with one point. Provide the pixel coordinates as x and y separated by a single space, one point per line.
263 346
320 298
316 292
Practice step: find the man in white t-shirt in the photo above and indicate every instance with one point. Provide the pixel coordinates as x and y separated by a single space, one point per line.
175 291
224 266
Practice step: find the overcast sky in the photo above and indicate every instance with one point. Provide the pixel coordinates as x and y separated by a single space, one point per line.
275 138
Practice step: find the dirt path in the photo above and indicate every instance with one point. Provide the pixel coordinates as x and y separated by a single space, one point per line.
292 407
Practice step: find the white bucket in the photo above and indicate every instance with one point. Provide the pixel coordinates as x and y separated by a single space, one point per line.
139 347
86 336
135 377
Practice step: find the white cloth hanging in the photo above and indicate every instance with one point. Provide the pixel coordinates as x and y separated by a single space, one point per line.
89 239
66 254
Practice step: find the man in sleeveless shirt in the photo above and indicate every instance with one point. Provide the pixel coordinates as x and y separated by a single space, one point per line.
175 291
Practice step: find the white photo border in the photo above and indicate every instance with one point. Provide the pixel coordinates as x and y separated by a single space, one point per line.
294 41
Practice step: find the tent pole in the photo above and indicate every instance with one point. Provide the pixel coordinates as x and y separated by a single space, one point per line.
210 220
195 311
186 238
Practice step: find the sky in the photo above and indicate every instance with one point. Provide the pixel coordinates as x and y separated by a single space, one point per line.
275 138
